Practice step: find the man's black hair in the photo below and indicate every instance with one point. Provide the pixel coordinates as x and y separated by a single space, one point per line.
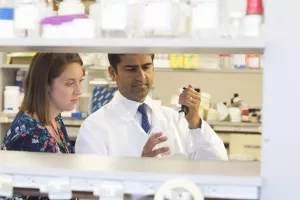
115 59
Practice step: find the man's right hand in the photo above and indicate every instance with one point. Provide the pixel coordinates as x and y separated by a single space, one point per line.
153 140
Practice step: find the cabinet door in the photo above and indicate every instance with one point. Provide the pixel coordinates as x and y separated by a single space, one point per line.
245 146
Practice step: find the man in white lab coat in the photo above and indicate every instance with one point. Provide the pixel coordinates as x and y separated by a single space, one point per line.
121 128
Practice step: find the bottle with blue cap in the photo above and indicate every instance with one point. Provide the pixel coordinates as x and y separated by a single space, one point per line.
7 18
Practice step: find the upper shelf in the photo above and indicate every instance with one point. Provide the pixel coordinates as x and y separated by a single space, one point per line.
157 69
135 45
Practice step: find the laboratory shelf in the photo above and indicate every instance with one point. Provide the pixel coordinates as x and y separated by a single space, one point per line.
135 45
203 70
95 69
68 121
217 126
14 66
232 127
86 173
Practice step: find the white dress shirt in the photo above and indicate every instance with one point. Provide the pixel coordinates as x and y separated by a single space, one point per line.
115 130
133 106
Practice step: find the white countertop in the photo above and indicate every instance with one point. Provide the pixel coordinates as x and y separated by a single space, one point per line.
215 178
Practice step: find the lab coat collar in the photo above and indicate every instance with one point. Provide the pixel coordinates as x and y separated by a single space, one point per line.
127 109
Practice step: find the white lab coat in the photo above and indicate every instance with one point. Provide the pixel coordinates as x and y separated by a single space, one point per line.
113 131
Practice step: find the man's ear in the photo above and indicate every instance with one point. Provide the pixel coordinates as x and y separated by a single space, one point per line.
112 73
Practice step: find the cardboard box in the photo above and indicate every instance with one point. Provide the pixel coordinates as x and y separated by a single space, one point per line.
19 58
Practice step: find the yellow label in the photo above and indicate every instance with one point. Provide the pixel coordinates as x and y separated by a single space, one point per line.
191 61
176 61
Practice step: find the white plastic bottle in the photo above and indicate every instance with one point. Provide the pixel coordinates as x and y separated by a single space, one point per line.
11 99
26 18
205 18
71 7
95 15
7 18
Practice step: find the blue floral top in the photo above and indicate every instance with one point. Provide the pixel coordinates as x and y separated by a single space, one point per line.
28 134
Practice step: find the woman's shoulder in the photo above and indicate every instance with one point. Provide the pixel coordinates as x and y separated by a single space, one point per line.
25 134
22 119
25 125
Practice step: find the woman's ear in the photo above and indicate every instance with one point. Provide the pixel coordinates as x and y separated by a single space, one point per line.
112 73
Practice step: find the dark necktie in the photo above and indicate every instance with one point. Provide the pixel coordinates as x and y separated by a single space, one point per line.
145 122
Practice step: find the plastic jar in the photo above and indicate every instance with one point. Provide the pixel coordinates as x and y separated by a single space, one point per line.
95 15
71 7
205 18
12 98
235 114
236 24
253 61
252 25
245 115
239 61
225 61
162 18
6 19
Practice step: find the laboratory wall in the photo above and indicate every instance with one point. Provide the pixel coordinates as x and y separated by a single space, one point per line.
220 86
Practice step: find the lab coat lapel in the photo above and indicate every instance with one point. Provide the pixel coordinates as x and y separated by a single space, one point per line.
126 116
157 116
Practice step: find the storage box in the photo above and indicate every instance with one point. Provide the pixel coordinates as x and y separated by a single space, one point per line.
19 58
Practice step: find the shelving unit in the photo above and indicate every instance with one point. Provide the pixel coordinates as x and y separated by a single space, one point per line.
203 70
129 45
157 69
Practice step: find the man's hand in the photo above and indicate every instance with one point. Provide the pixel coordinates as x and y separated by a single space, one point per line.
191 99
153 140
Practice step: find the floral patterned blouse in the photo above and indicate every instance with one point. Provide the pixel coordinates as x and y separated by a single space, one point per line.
28 134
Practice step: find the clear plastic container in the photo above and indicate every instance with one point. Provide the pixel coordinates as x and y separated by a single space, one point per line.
26 18
236 24
225 61
253 61
96 16
239 61
205 19
7 18
175 141
119 18
71 7
252 25
166 18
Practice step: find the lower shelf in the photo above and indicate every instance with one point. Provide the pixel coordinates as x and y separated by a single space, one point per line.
228 180
254 128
